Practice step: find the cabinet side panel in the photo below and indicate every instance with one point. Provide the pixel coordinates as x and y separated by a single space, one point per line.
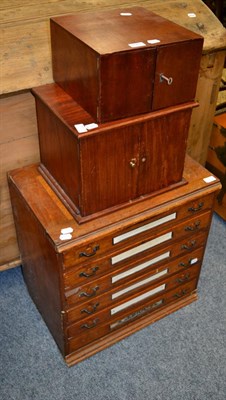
40 265
59 151
75 68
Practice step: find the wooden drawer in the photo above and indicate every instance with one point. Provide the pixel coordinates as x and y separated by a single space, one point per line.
113 163
138 241
85 274
114 65
144 287
91 330
120 282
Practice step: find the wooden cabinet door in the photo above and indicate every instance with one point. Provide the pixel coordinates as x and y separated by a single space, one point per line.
127 162
179 63
109 170
162 151
126 84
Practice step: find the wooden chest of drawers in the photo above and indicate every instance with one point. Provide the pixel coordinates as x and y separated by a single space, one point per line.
98 282
113 163
120 63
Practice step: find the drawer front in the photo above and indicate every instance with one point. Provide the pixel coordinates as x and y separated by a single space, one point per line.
130 279
187 228
125 237
86 273
86 332
131 294
175 84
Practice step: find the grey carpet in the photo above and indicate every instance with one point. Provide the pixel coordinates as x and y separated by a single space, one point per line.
181 357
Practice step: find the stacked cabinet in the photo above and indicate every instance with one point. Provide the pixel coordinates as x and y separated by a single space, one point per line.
112 223
121 63
113 164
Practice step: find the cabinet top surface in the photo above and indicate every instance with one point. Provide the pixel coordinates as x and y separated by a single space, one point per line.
73 115
123 29
54 217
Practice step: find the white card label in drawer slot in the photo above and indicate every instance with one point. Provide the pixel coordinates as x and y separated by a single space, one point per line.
138 299
140 267
141 247
140 283
144 228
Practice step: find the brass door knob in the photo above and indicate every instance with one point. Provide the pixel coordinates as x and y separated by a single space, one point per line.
133 162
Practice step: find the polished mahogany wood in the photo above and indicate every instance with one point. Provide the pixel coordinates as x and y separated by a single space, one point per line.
112 64
85 317
116 162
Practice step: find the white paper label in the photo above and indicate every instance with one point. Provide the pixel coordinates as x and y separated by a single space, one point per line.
80 128
138 284
137 299
91 126
191 15
137 44
126 14
66 236
153 41
66 230
144 228
141 247
209 179
140 267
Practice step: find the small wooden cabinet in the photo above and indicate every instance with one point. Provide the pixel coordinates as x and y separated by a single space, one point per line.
98 282
113 163
120 63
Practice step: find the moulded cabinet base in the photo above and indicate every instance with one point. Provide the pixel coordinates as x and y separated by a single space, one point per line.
82 219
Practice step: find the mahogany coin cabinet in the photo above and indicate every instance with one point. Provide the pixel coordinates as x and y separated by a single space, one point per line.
112 223
97 282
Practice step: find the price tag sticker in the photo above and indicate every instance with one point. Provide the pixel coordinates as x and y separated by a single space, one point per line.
137 44
209 179
80 128
91 126
66 236
64 231
153 41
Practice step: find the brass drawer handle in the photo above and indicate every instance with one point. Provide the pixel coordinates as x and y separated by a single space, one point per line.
195 209
184 279
182 293
193 227
188 264
190 246
87 275
91 252
92 325
92 310
91 294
